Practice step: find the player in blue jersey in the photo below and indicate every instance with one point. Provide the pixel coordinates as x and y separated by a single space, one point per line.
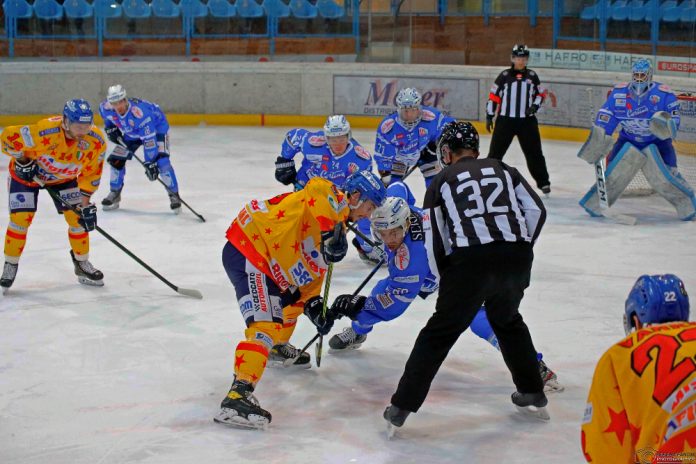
132 123
647 115
405 231
408 137
331 153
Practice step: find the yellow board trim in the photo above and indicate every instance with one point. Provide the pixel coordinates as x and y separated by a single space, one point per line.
571 134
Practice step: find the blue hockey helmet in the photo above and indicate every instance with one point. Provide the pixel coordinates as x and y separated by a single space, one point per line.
368 185
408 98
641 76
78 111
656 299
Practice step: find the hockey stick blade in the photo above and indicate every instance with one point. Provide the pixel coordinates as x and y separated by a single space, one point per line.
192 292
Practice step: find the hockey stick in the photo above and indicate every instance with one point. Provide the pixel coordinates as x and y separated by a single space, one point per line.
169 191
320 346
122 143
183 291
601 183
291 361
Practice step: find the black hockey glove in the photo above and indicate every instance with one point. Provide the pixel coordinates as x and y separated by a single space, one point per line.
285 172
151 170
114 134
313 309
88 216
25 171
348 305
489 123
334 244
290 296
531 111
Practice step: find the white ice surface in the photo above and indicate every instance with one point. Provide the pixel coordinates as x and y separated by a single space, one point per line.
133 372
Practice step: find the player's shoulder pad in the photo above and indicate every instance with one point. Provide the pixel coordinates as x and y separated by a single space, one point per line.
387 125
531 72
621 85
98 135
136 110
415 228
105 105
428 114
664 88
361 152
316 139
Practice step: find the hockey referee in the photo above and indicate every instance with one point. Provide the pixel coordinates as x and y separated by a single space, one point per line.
485 218
516 96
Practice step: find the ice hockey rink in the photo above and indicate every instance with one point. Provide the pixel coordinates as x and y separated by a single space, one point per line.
133 372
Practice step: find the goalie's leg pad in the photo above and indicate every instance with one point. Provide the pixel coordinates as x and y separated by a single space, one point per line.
597 146
619 174
672 188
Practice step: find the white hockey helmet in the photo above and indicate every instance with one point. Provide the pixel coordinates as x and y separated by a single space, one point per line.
393 213
408 98
116 93
336 126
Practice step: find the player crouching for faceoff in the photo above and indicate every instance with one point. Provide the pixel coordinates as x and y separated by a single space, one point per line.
277 254
66 154
131 123
648 113
642 403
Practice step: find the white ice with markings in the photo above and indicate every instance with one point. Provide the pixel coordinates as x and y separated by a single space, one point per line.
134 373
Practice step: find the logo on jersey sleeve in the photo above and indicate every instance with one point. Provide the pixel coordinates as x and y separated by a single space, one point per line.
428 115
352 167
664 88
317 141
26 136
258 206
654 99
312 257
384 299
362 153
387 126
422 131
402 257
243 217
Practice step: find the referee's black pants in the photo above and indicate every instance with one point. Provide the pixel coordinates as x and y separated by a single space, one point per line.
496 274
527 132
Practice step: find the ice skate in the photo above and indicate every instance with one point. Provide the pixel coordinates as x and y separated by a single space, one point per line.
112 200
86 273
551 384
346 340
175 202
241 409
282 355
546 190
9 272
395 418
531 404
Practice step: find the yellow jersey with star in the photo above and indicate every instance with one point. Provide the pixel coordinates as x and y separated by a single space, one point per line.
58 158
642 402
281 236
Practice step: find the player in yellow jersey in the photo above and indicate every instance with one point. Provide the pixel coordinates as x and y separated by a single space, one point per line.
642 403
65 154
277 253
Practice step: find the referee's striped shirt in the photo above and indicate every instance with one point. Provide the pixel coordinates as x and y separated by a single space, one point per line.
477 202
514 92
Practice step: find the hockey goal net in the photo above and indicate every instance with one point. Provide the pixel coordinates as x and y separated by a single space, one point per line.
684 145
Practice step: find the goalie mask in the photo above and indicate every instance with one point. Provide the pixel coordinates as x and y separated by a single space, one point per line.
641 77
455 136
656 299
408 104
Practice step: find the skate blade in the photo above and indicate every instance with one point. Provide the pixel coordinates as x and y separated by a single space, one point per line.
90 282
343 350
5 290
109 207
391 430
230 418
287 364
552 386
534 412
176 210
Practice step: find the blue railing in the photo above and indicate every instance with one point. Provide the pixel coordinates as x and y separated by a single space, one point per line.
101 14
